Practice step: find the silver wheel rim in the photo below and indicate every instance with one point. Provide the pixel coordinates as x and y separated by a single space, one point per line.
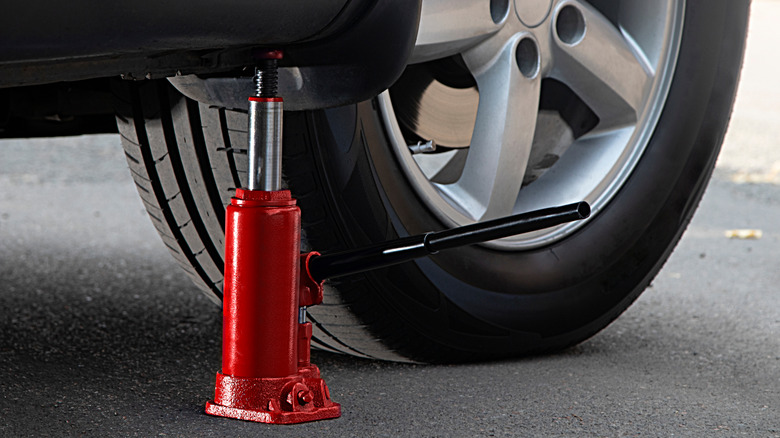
620 68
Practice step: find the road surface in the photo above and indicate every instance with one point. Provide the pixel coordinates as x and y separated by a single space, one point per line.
101 334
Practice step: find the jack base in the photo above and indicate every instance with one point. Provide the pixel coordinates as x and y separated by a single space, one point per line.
283 400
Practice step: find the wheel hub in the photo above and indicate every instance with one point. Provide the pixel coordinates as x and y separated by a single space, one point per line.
532 13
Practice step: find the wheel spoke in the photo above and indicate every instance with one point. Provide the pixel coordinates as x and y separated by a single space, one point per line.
600 65
503 132
448 27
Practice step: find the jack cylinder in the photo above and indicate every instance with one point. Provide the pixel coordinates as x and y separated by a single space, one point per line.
261 285
265 143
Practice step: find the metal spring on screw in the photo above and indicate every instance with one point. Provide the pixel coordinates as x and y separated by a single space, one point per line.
267 78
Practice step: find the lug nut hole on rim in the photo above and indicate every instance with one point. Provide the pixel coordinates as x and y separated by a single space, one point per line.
499 10
527 57
570 25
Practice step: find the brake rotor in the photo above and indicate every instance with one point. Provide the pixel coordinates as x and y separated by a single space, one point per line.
431 110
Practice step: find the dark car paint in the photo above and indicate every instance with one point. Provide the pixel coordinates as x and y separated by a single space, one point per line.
350 50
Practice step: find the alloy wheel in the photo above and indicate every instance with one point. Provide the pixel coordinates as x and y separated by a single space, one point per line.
531 104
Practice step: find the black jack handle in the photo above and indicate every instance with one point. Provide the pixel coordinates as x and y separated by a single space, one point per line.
408 248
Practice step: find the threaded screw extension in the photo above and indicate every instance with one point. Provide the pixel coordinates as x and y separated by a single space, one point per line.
267 78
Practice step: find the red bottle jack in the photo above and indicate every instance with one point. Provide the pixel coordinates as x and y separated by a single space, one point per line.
266 371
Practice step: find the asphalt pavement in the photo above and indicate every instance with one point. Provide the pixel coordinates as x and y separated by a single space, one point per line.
101 334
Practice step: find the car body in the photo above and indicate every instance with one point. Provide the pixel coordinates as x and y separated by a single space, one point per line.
53 61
